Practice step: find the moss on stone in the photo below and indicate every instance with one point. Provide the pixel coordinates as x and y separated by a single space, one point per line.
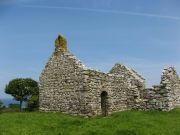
60 44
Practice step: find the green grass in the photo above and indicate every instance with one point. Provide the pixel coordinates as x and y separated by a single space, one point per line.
122 123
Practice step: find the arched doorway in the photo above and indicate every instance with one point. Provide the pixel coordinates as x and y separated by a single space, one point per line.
104 103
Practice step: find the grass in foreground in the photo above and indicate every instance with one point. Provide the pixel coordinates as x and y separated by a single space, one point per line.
122 123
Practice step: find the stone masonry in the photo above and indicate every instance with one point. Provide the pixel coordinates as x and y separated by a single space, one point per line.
165 96
67 86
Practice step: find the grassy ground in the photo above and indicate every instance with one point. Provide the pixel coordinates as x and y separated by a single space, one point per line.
123 123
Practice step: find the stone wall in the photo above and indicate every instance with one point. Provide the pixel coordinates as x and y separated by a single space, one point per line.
171 81
98 82
165 96
61 83
136 84
66 85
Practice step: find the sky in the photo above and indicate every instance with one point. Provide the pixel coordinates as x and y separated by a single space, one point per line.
143 35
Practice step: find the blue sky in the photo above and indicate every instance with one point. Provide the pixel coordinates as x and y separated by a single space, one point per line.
141 34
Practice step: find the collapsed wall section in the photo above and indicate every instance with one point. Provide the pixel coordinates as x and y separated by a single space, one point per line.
165 96
171 81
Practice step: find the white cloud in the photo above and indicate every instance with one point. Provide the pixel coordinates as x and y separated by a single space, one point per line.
107 11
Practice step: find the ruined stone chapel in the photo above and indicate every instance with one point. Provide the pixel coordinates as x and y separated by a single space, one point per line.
67 86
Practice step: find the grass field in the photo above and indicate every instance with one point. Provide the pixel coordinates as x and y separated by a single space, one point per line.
122 123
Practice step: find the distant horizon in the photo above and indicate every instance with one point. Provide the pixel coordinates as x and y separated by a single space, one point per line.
143 35
8 101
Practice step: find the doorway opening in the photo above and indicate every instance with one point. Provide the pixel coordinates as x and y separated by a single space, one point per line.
104 103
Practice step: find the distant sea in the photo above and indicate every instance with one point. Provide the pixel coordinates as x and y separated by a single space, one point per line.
8 101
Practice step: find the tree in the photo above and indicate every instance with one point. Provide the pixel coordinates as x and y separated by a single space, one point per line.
33 103
21 89
1 104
